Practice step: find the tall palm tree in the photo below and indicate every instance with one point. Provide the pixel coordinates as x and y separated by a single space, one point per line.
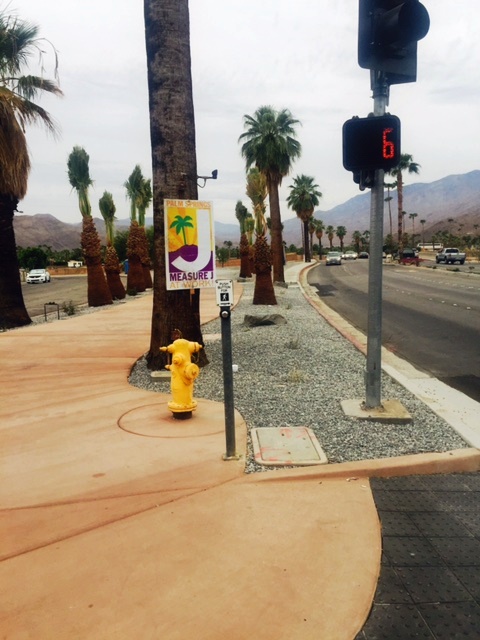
242 214
135 244
144 199
98 293
341 232
174 162
304 196
357 240
406 164
312 227
388 199
330 234
319 229
412 217
269 143
18 93
422 222
263 292
112 263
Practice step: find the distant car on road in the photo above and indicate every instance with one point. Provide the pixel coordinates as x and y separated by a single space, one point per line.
350 255
334 257
363 255
409 256
37 275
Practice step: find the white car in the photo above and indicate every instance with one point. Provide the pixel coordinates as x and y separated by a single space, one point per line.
350 255
38 275
334 257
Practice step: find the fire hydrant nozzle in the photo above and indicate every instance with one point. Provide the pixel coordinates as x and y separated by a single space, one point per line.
184 372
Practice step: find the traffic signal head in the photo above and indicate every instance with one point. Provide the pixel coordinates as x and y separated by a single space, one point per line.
388 32
371 143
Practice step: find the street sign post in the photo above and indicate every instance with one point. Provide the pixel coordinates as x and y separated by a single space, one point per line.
224 290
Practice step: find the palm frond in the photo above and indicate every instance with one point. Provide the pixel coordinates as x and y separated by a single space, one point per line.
18 40
79 178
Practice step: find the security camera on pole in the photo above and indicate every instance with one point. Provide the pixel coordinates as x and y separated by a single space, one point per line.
388 33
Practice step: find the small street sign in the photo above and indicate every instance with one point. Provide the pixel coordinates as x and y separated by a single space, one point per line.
224 293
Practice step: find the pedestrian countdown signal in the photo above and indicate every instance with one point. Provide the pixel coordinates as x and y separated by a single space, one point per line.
371 143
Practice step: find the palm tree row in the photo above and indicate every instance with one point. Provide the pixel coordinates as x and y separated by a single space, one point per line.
98 292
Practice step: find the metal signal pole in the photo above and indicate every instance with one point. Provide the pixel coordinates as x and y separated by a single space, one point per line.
373 373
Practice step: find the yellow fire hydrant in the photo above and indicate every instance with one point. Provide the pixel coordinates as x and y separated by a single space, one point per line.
184 372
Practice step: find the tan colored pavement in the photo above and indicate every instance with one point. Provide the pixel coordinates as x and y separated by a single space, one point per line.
118 521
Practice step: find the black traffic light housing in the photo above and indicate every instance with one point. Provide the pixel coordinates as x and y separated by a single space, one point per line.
371 143
388 32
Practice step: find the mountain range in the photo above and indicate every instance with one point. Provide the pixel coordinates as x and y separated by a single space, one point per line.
455 197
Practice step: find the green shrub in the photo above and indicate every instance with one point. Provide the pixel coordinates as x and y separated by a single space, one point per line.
69 308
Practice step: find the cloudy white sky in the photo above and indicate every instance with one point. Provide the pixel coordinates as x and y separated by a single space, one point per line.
298 55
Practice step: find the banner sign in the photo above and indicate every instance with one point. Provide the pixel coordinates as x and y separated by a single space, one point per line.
189 244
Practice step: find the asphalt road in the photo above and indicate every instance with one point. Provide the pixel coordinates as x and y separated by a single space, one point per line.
61 289
430 317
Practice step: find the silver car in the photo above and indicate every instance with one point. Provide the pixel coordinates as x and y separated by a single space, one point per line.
334 257
37 275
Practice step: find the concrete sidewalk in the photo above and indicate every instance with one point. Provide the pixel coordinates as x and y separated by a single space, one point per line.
118 521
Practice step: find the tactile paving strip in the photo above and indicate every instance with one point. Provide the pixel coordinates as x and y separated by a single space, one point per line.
429 585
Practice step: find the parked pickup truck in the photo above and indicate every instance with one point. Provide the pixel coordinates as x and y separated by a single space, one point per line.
450 256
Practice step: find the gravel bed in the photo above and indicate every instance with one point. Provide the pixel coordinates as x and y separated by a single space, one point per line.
296 374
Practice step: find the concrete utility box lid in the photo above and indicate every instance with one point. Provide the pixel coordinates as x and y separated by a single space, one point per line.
283 446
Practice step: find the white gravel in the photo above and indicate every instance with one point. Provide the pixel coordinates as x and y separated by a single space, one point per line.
297 374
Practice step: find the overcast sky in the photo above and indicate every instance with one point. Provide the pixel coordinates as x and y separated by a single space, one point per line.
298 55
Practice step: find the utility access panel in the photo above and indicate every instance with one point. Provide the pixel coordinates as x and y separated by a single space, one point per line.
371 143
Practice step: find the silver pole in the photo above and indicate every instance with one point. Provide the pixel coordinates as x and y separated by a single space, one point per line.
373 379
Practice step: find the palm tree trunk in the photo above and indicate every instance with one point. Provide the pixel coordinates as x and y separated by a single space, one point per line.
245 269
276 232
135 279
264 292
400 210
145 259
147 276
174 162
13 312
306 240
98 293
135 248
112 271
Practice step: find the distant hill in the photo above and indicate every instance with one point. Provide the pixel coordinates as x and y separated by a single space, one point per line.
456 196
